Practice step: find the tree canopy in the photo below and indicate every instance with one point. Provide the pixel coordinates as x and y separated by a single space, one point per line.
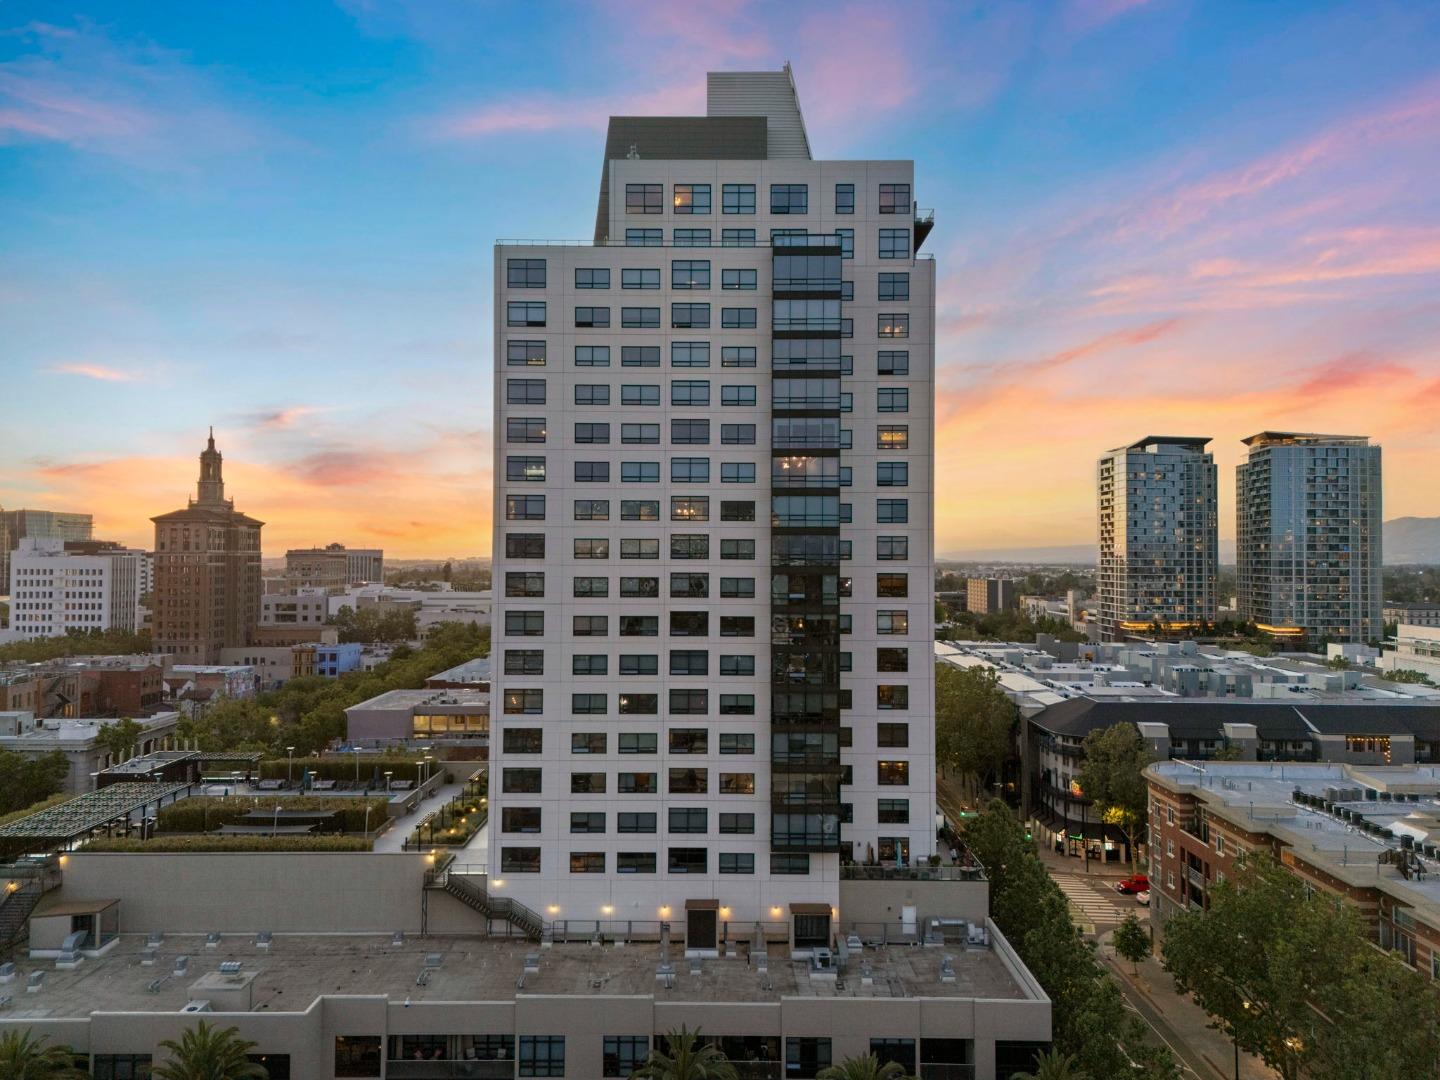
76 642
1290 975
375 622
974 721
25 780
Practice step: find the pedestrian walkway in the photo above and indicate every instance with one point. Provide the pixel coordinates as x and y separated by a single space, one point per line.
393 839
1095 906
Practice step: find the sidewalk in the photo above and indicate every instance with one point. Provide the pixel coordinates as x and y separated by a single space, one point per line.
1069 864
1178 1021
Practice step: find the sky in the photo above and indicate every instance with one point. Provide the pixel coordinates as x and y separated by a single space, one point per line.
1152 216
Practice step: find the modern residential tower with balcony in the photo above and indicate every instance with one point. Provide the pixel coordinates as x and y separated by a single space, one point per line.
1158 544
1308 536
713 529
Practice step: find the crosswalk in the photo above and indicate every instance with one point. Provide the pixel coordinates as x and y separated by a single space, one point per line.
1090 903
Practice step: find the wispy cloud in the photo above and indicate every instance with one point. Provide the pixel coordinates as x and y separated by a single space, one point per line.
548 113
281 418
99 372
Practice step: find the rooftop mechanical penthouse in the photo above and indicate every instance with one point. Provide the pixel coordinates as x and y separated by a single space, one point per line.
714 527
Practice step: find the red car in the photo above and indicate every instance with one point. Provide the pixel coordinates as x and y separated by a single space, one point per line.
1138 883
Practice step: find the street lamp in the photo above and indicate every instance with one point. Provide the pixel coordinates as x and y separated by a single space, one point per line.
357 764
289 765
388 773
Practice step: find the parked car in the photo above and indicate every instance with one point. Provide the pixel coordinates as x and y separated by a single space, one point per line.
1137 884
1143 898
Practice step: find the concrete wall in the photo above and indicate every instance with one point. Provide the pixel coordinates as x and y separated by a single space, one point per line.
863 902
304 892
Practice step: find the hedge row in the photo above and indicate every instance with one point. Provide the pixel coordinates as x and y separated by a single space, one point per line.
179 844
463 813
208 813
404 768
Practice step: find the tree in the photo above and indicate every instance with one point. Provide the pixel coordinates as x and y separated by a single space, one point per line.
1112 778
24 1057
1132 941
1293 978
973 723
1053 1066
25 780
686 1057
865 1068
120 738
206 1052
1252 958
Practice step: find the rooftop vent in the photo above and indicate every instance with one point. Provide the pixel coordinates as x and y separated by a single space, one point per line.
7 972
230 967
433 960
212 940
34 982
196 1007
182 965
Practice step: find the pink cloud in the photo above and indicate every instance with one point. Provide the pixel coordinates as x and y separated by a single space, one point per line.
553 113
98 372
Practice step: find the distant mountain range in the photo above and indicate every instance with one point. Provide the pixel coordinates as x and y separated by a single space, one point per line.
1407 540
1412 540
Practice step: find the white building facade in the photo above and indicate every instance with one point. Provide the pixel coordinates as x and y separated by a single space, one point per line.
713 547
53 591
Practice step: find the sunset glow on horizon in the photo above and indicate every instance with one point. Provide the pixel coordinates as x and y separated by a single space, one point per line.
1151 217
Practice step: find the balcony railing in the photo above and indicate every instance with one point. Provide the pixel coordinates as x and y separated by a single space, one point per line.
866 872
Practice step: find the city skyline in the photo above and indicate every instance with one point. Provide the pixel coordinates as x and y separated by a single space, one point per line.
1143 228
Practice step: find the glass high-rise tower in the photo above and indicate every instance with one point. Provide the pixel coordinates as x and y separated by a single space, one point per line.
1157 516
1308 536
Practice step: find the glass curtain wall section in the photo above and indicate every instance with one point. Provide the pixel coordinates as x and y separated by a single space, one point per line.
805 544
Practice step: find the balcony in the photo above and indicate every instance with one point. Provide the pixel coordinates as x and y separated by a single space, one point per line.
866 872
924 223
1195 877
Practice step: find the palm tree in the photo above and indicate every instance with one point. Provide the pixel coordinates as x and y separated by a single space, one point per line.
23 1057
868 1067
1054 1066
688 1059
208 1053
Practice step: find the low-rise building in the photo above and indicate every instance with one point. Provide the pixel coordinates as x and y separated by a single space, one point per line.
402 717
79 740
471 675
1413 614
192 686
304 608
1417 648
333 567
1368 833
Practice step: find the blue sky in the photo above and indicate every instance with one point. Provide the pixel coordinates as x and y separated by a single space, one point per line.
278 218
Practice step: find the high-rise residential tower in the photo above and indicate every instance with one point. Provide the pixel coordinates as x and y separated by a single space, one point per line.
1158 545
18 525
714 528
206 571
1308 536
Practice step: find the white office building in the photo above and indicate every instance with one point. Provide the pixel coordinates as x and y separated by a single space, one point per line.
713 547
53 590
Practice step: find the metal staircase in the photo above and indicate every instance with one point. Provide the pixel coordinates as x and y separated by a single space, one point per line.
470 890
15 908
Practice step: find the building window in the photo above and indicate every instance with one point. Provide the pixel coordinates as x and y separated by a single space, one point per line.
640 318
737 237
794 864
587 433
894 243
689 820
525 273
137 1066
525 391
639 394
737 824
638 742
692 198
644 199
525 313
892 511
844 198
737 704
689 316
592 355
639 548
738 199
640 278
687 860
544 1055
737 862
592 317
691 238
892 473
900 1051
847 243
592 394
892 399
737 435
690 274
520 860
735 665
644 237
636 862
525 545
893 811
524 583
892 324
586 862
524 623
894 287
745 280
524 469
892 773
737 395
355 1055
524 662
892 622
739 549
895 198
893 436
789 199
598 278
737 472
892 362
520 819
623 1054
523 352
689 508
